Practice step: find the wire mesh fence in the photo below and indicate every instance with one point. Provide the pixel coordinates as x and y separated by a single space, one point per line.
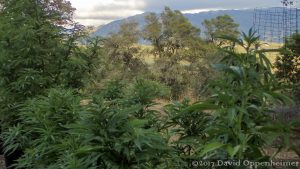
278 23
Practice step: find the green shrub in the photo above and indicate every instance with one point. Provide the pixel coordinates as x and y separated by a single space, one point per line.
118 139
37 53
144 91
57 132
287 65
187 127
113 90
242 125
238 124
42 132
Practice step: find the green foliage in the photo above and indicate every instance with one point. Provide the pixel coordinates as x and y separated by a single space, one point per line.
220 26
152 32
238 124
181 52
187 127
37 52
55 131
245 94
145 91
173 74
122 50
43 69
122 141
141 94
113 90
180 56
178 27
41 132
287 65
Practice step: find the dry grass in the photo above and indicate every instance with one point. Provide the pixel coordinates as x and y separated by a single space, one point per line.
267 45
150 58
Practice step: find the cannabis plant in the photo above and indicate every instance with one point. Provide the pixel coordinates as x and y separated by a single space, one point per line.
241 100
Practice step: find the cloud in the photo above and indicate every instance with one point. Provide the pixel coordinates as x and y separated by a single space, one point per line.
95 12
96 17
201 10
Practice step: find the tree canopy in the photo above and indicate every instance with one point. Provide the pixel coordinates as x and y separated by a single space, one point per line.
220 26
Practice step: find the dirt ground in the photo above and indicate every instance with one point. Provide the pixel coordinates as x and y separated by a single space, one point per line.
2 162
284 155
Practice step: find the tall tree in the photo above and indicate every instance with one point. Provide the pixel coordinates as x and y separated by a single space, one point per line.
130 32
176 41
177 30
122 48
220 26
153 32
169 32
38 51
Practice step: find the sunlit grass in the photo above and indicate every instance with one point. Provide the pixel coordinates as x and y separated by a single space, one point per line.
149 58
267 45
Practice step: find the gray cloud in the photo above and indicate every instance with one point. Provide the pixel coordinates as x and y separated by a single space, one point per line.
102 12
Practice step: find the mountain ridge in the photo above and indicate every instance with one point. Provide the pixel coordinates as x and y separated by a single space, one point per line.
244 17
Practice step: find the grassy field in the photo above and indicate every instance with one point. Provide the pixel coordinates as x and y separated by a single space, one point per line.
149 58
268 45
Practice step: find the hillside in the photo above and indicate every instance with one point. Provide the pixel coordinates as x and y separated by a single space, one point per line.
243 17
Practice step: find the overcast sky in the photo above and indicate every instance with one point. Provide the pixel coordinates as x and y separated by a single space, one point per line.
97 12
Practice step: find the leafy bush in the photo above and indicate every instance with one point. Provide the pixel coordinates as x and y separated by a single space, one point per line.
187 127
243 96
144 91
37 52
117 139
113 90
287 65
235 121
141 95
41 133
57 132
